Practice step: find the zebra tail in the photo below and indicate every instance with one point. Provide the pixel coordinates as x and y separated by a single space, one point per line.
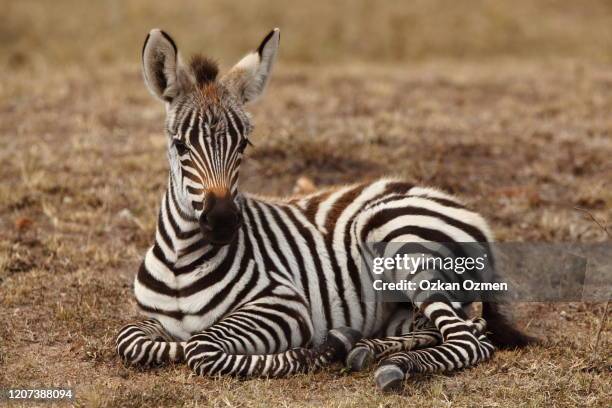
501 331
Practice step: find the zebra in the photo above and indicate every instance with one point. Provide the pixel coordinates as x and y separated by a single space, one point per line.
250 286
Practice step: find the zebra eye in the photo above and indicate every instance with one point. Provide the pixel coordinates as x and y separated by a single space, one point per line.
244 143
181 147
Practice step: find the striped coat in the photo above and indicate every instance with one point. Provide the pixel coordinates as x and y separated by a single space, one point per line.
250 286
308 246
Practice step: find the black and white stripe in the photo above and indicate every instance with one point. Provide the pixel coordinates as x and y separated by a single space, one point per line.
285 294
290 277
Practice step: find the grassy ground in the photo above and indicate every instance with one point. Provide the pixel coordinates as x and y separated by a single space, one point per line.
513 115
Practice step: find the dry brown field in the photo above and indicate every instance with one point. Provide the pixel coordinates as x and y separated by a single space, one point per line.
507 104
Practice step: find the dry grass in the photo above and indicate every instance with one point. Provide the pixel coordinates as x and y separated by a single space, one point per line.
517 119
343 30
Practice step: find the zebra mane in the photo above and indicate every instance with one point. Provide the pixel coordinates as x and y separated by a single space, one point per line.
204 69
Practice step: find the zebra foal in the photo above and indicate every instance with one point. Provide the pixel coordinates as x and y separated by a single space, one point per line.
236 284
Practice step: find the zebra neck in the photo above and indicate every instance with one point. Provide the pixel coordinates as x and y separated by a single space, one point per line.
178 239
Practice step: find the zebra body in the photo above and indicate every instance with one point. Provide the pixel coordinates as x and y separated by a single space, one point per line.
309 247
245 285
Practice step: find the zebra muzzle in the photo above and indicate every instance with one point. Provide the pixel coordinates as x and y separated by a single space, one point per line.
221 222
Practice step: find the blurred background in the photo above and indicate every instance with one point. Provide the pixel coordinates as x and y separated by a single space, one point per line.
504 103
316 31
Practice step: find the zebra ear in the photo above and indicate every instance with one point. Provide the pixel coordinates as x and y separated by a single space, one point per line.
164 73
248 78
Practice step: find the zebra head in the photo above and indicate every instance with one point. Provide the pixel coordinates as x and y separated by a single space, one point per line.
207 125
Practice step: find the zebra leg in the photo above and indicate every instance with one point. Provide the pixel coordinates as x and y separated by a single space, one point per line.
407 329
146 343
230 347
336 346
463 345
419 336
206 356
368 351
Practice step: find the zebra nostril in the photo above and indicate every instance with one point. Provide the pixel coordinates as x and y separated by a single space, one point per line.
204 224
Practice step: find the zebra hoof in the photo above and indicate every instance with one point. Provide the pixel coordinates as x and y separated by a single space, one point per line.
360 358
389 378
344 336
